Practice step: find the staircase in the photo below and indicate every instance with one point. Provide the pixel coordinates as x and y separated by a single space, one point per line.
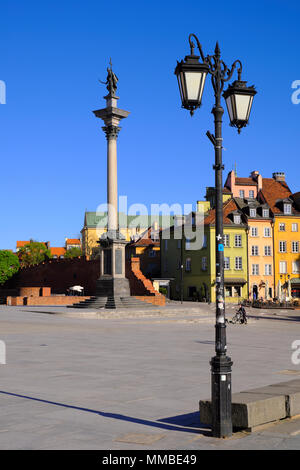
143 294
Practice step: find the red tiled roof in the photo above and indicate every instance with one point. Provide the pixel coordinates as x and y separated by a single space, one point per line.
73 241
20 244
146 240
228 207
57 251
273 191
245 181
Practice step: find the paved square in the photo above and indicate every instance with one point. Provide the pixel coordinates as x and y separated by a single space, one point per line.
133 379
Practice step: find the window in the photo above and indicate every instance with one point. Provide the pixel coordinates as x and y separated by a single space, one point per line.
204 263
268 270
251 194
281 227
237 219
204 241
254 250
226 263
255 269
152 253
254 232
296 267
265 213
268 251
187 244
295 247
236 291
294 227
178 244
287 208
188 264
282 267
242 193
238 241
282 247
228 291
267 232
166 245
238 263
226 240
252 212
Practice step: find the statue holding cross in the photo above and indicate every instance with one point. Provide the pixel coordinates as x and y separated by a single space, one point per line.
111 80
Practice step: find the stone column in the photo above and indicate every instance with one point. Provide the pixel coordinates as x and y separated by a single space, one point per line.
112 178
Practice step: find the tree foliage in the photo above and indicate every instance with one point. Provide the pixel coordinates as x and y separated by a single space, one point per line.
33 253
9 265
73 253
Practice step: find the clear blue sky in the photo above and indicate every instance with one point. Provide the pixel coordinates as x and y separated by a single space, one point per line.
53 151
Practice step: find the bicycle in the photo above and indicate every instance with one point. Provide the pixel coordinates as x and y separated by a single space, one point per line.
238 318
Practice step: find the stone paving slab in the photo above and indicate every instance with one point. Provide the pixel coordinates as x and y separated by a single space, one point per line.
84 383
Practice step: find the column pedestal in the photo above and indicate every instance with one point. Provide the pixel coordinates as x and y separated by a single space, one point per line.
112 285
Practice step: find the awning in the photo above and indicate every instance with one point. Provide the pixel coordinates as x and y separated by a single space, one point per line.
234 281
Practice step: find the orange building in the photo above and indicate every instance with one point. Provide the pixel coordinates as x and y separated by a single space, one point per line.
286 235
260 248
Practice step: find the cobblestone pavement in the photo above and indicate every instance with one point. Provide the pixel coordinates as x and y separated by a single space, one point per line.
133 379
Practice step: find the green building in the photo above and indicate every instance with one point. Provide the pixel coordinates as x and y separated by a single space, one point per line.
193 271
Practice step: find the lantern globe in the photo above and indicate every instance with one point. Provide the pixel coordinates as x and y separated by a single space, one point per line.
191 75
239 99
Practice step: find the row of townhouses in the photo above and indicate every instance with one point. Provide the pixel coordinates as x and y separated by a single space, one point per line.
261 220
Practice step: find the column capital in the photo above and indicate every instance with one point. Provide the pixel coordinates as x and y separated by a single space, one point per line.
111 132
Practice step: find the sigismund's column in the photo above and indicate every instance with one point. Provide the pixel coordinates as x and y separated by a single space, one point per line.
112 284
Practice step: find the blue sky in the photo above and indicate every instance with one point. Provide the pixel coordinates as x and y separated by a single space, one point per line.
53 151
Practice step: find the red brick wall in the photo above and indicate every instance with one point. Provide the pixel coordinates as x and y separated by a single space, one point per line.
59 275
51 300
35 291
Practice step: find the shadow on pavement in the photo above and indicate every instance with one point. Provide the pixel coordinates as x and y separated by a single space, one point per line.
183 423
279 318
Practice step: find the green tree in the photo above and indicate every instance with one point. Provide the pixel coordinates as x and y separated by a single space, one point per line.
9 265
73 253
33 253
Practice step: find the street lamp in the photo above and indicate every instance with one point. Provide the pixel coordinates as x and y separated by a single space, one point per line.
191 75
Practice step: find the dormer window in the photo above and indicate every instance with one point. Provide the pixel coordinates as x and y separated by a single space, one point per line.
252 212
265 213
237 219
287 208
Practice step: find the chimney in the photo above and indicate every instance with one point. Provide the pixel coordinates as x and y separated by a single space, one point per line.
254 174
279 176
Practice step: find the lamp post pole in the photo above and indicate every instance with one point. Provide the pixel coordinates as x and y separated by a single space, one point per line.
191 76
220 363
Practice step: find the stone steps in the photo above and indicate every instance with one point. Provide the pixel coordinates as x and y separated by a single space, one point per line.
112 303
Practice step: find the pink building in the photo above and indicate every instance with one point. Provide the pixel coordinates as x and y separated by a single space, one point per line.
244 187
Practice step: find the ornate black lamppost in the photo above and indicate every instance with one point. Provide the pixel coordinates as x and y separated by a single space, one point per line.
191 76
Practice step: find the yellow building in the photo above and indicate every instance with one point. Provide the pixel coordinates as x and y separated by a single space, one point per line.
286 236
130 226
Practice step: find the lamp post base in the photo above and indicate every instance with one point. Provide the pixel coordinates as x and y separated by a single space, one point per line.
221 396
